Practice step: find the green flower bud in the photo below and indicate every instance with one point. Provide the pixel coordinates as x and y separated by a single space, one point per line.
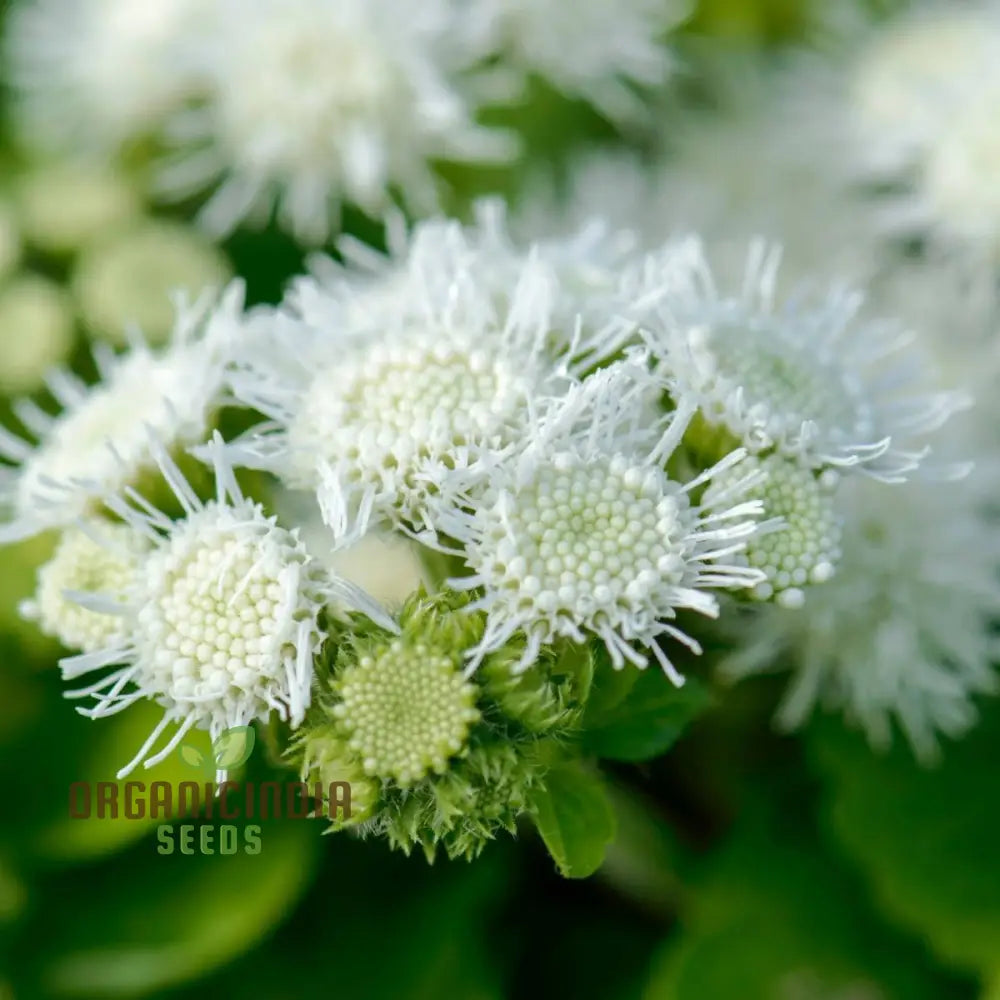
324 758
550 695
403 703
481 795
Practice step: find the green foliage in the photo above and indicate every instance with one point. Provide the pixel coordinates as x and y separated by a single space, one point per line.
647 721
925 838
483 793
574 817
176 918
774 918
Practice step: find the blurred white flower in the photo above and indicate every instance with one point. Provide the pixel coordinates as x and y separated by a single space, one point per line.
903 117
311 103
96 556
811 379
89 75
904 631
221 624
731 173
581 533
588 49
98 443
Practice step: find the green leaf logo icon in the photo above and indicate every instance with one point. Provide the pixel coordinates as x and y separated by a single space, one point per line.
192 756
233 747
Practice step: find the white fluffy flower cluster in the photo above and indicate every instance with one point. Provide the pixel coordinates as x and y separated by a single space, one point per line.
300 106
595 441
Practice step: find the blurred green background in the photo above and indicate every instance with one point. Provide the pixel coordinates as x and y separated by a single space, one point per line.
747 867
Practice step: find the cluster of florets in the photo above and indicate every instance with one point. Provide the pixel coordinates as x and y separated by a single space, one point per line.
585 448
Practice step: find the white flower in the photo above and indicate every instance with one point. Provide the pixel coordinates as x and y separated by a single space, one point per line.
582 533
800 544
731 173
926 95
904 630
953 302
409 380
97 556
93 74
911 76
812 380
98 442
310 103
222 622
903 122
587 49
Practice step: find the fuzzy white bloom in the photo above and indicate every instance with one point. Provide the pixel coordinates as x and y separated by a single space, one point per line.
925 93
911 76
98 442
580 532
310 103
586 49
953 302
408 380
97 556
731 173
814 381
904 630
800 544
221 623
903 118
93 74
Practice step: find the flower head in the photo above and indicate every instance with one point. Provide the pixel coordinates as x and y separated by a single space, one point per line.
99 442
96 557
402 702
96 74
401 399
311 103
581 533
813 382
587 50
223 619
903 631
800 543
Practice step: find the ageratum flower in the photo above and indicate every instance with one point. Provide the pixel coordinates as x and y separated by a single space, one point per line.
98 556
587 49
813 381
94 74
581 533
222 621
98 443
385 390
800 543
311 103
904 631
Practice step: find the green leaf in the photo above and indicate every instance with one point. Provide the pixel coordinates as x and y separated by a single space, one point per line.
192 756
648 720
772 915
187 914
608 686
232 749
574 816
926 838
109 746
